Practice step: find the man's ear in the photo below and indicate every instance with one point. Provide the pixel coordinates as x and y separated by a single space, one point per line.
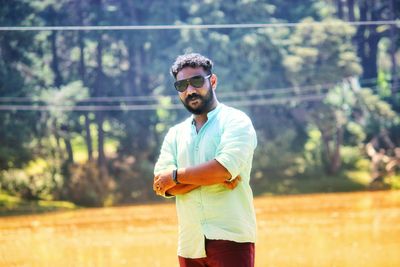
214 81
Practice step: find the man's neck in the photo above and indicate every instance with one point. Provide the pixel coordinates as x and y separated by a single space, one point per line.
201 119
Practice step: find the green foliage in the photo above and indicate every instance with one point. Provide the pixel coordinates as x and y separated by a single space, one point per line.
313 149
351 156
393 182
321 54
355 133
378 113
68 95
16 128
276 158
39 180
8 202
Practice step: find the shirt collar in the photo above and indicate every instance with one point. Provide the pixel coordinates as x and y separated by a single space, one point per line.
211 114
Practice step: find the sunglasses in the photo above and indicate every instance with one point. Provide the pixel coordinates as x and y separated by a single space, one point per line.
196 82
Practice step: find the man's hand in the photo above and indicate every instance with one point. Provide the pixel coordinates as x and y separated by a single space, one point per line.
233 184
162 182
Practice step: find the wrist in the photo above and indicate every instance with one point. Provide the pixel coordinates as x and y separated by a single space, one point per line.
175 176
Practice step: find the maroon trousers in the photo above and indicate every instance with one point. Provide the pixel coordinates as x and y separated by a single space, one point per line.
222 253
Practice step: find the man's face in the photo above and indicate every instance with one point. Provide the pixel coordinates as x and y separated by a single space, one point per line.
196 100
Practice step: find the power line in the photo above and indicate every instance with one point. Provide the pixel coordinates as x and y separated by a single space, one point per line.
297 91
105 99
267 91
197 27
149 107
256 102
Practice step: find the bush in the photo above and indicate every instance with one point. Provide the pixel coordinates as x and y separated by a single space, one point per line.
351 157
87 186
38 180
134 179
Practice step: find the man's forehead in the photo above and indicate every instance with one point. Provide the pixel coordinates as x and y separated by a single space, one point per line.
188 72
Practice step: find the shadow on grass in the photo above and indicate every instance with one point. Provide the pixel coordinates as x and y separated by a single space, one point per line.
343 182
12 206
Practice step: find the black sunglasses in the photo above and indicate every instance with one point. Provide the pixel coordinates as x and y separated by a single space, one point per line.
195 81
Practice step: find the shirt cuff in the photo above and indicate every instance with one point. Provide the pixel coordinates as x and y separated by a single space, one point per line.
226 163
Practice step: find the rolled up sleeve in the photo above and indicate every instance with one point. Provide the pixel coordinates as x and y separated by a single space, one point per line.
238 142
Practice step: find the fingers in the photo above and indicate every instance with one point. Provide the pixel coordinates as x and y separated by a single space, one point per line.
154 186
229 186
157 186
161 186
232 185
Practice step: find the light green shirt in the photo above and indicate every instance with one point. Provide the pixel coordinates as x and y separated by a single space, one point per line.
214 211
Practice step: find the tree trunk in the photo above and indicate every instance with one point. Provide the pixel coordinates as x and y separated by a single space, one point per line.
100 114
350 6
132 77
360 36
88 137
101 160
331 151
371 67
336 162
339 5
64 130
57 75
395 81
326 151
99 83
82 72
58 81
54 127
68 147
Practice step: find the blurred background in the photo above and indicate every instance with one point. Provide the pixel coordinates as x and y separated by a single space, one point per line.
83 110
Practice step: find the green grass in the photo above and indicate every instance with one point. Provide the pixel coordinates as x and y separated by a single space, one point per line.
11 205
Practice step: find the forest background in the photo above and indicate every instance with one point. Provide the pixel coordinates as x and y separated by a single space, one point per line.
83 112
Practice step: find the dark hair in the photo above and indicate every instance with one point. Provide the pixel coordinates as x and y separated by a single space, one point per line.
193 60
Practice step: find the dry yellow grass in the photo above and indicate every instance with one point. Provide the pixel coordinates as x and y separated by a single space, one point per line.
352 229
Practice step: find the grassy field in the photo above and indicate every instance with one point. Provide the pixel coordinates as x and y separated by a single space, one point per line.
346 229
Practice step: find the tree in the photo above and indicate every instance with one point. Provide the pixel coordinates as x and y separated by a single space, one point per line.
368 37
323 55
16 127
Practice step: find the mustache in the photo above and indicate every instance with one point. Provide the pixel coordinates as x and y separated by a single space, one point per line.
192 97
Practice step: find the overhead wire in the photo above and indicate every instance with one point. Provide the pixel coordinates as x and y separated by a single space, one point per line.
123 99
105 99
319 95
255 102
197 26
222 93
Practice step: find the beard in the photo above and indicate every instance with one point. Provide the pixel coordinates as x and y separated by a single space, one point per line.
205 102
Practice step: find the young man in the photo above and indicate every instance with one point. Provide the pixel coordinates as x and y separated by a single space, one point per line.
205 162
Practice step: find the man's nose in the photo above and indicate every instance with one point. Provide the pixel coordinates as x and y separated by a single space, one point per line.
190 89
